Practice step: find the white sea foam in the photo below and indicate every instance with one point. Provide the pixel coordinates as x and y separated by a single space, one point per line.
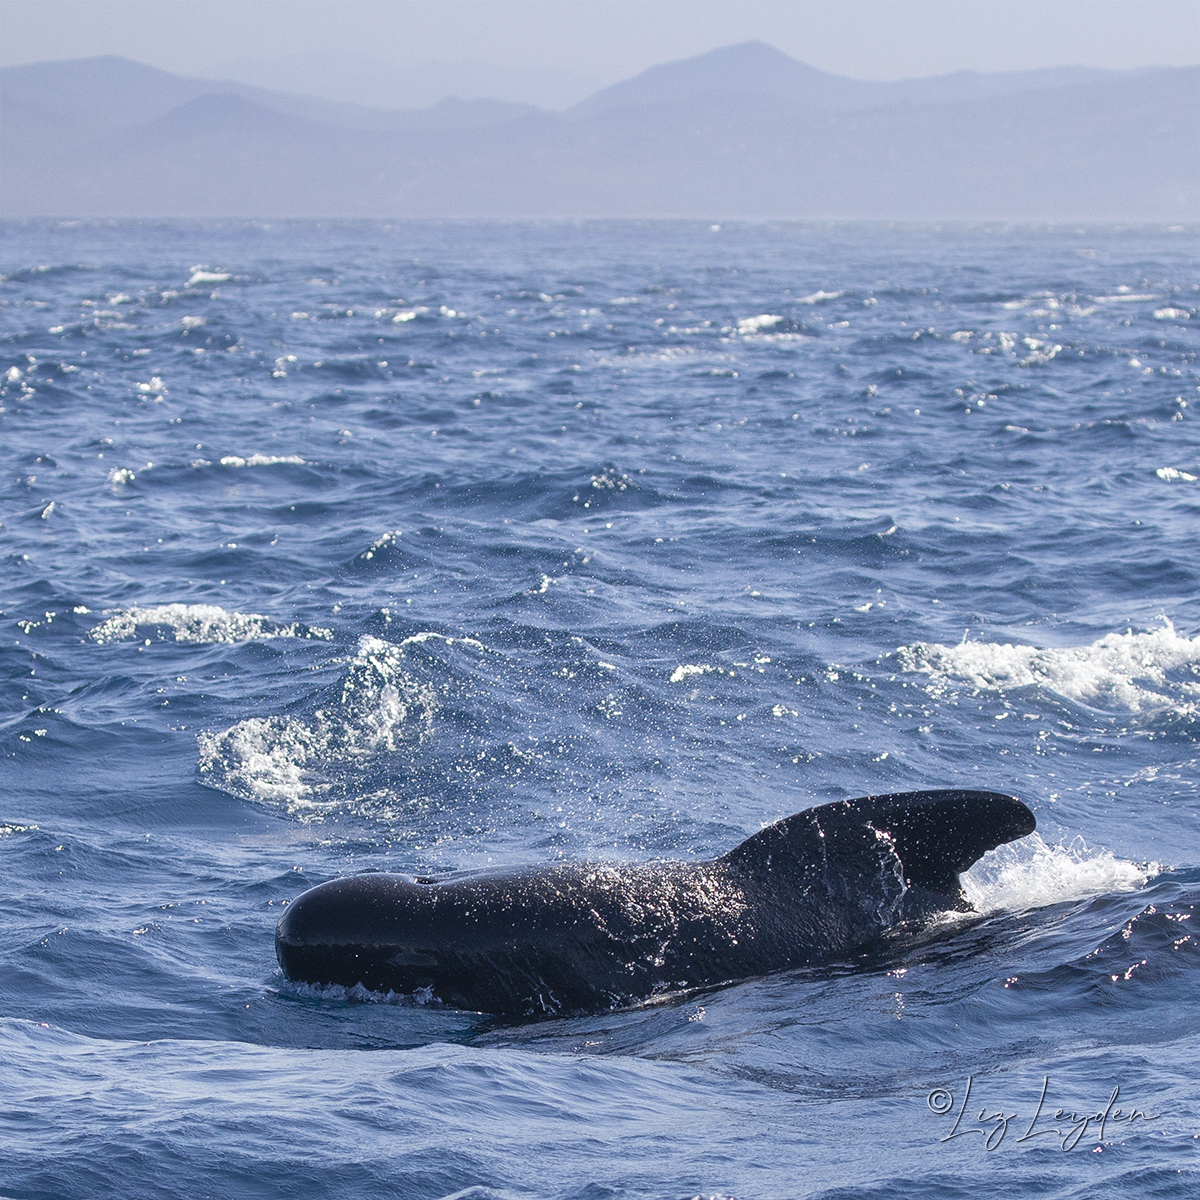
817 297
260 460
757 324
9 830
200 624
1031 874
389 538
1171 473
298 762
1172 314
682 672
203 275
762 328
1121 672
428 635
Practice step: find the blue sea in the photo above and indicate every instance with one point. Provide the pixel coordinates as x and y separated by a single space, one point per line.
333 547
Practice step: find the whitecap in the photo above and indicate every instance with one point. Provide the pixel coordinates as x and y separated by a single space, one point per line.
684 670
261 460
200 624
757 324
1121 672
202 275
427 635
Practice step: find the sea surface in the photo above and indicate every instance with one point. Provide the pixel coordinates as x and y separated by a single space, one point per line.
331 547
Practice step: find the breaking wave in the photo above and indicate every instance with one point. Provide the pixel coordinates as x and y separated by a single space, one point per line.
1121 672
199 624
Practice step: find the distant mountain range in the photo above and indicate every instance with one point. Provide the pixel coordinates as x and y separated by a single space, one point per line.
365 79
741 132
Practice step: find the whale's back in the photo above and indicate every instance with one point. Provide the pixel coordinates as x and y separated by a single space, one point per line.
571 937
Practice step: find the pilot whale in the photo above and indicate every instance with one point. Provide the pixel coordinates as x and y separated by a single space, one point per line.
567 938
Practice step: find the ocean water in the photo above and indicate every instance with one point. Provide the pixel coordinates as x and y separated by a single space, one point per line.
417 546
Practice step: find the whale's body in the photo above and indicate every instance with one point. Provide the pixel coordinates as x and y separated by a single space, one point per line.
585 937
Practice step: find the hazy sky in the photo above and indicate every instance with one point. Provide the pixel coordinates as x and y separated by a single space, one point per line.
612 39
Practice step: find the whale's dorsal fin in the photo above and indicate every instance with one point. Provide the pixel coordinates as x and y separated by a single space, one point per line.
936 834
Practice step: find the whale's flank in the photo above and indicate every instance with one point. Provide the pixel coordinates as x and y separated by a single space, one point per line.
580 937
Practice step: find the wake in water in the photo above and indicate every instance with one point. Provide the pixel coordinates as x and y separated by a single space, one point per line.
1032 874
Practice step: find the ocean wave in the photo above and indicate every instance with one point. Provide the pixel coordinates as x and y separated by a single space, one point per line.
1121 672
309 764
200 624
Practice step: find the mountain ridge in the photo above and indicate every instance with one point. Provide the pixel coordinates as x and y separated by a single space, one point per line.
781 75
1123 146
136 93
